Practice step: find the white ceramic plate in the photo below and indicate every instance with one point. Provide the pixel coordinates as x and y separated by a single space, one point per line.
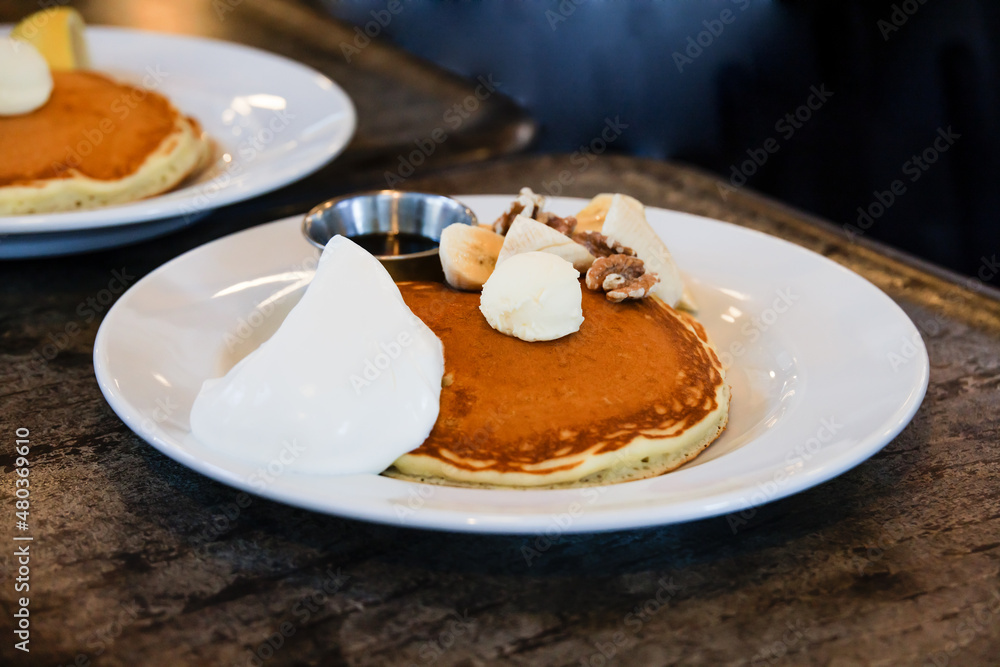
273 119
825 370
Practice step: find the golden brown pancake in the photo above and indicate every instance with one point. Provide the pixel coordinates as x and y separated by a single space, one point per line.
95 142
637 391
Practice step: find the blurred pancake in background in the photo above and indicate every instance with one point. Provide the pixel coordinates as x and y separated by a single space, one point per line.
96 142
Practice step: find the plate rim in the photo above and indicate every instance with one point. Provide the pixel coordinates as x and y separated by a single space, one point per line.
511 523
152 209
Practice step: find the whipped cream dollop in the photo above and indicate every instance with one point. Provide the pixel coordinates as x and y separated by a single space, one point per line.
533 296
25 79
349 382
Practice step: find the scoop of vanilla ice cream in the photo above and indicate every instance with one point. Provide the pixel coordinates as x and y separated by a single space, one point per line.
533 296
25 79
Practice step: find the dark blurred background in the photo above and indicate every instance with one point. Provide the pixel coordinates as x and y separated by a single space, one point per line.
870 86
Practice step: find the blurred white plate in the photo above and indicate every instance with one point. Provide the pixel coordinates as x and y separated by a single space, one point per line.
274 121
825 370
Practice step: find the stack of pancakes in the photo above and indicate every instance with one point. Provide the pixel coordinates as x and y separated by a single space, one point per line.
636 392
96 142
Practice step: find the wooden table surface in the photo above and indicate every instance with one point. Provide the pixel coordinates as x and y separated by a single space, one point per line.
137 560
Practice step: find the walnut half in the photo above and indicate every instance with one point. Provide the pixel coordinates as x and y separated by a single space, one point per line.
600 245
562 225
621 277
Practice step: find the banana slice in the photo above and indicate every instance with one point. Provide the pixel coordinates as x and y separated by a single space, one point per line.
688 302
468 255
527 235
591 217
58 34
626 224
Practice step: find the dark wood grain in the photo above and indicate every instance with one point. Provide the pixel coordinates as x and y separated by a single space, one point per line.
140 561
895 562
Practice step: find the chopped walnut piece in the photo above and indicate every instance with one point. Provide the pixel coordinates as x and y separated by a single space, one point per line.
562 225
503 223
527 203
600 246
621 277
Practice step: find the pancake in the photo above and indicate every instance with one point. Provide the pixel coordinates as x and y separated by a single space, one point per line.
96 142
636 392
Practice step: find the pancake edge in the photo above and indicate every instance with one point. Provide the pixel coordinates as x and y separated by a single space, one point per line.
626 463
183 152
631 470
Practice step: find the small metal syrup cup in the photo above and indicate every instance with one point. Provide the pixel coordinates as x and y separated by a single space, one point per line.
392 213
